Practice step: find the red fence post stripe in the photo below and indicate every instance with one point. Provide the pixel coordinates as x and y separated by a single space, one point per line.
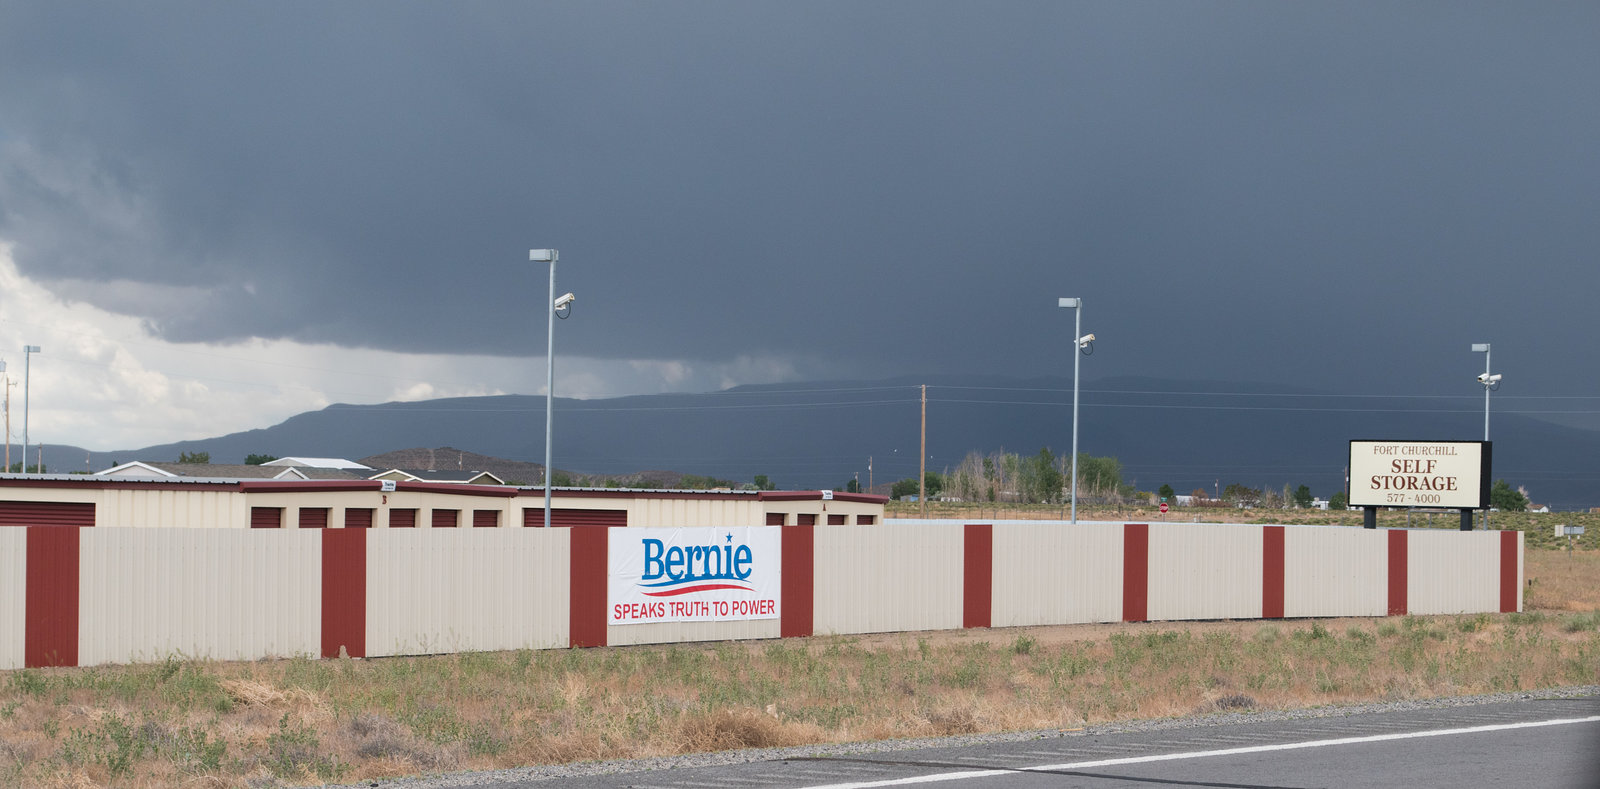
344 592
1398 603
797 586
587 623
1509 587
1272 572
1135 572
50 629
977 586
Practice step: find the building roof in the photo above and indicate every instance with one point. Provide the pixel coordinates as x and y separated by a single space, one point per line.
141 468
334 463
430 475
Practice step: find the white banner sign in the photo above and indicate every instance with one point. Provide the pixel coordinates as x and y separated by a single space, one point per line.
1419 474
694 574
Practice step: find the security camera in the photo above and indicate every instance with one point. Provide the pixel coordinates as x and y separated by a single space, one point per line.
565 301
1086 340
1487 379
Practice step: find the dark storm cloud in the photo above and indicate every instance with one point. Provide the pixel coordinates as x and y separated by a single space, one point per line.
1340 195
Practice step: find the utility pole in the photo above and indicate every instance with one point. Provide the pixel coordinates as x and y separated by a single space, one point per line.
869 473
922 459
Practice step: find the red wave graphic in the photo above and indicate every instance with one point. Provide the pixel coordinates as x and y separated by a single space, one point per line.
700 588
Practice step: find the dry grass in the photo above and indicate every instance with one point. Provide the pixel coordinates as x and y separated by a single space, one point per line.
301 722
1562 581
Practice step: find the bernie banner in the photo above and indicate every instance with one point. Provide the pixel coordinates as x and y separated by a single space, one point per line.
693 574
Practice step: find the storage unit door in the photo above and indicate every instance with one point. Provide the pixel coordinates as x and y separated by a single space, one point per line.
46 513
569 518
266 517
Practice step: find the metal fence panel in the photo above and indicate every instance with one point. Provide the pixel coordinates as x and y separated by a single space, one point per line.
1057 573
222 594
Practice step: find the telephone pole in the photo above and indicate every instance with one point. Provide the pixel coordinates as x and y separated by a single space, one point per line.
922 461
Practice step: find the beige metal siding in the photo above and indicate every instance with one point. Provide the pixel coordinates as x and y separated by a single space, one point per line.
220 594
895 577
743 511
467 590
679 632
1522 572
1200 571
164 508
1452 572
1335 571
1056 573
13 595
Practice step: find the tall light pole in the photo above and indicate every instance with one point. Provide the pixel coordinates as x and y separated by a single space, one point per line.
1490 382
563 306
7 384
1082 345
27 368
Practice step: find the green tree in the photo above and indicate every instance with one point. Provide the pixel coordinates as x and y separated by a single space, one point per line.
1041 478
201 458
1505 498
256 460
1167 493
764 483
697 482
1097 475
1240 495
853 486
16 468
1302 497
908 487
1338 501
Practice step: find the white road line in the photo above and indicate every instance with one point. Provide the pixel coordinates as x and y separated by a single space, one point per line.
1166 757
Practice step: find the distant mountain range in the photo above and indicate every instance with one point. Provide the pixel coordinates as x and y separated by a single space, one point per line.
820 435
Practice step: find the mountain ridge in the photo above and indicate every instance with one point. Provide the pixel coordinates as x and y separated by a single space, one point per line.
821 434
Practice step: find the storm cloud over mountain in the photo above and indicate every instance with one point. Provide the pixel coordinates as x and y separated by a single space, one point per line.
1342 196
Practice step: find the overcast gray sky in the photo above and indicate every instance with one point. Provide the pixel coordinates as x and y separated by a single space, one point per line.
215 215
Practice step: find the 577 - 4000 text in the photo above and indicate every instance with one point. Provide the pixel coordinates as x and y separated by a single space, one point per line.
1413 498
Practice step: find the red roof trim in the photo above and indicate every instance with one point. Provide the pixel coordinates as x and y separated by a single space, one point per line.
627 493
816 495
458 489
307 485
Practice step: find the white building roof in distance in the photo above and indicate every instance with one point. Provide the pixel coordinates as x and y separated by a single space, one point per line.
338 463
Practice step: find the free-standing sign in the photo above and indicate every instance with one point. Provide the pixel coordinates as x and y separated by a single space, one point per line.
1451 474
694 574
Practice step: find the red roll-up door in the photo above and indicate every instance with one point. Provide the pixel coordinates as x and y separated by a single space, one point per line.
485 519
46 513
805 519
404 518
266 517
865 520
774 519
313 517
446 519
570 517
358 518
835 519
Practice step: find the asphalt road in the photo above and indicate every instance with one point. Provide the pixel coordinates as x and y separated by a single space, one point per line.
1546 743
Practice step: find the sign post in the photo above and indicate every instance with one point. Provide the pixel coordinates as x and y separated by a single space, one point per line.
1570 532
